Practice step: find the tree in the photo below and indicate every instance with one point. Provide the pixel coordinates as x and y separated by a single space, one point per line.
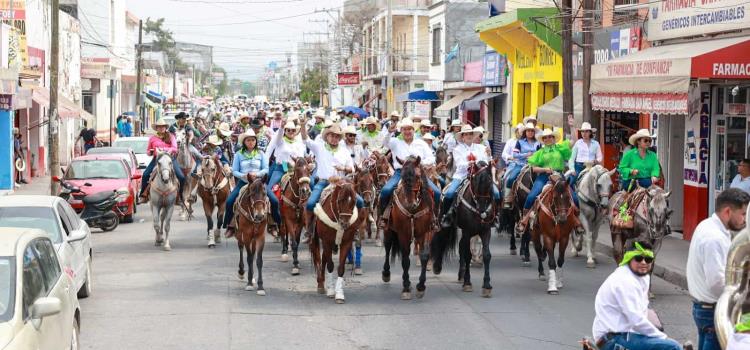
313 81
164 41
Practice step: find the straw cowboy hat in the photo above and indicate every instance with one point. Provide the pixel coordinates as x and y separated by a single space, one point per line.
214 140
428 136
371 120
586 126
290 125
320 113
406 122
518 126
479 130
425 123
529 119
335 118
243 115
350 129
333 129
455 122
528 126
244 135
160 122
328 123
467 129
548 132
395 114
224 129
639 135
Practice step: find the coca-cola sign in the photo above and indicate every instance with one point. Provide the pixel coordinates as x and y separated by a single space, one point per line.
348 78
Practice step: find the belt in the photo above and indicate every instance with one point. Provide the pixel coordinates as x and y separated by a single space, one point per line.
703 305
606 338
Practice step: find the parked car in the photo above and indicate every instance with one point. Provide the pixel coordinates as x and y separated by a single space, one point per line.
138 144
70 235
103 172
126 154
38 307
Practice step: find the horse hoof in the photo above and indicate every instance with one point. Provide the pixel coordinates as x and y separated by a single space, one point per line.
468 289
429 266
405 295
276 239
542 277
513 252
249 287
386 278
526 263
591 264
419 263
295 271
420 294
340 300
651 296
212 244
553 292
167 248
261 292
378 242
486 293
284 257
241 276
330 294
358 271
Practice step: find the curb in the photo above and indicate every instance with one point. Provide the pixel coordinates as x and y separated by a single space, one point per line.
668 274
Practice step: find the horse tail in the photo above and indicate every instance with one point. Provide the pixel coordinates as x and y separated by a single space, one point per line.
396 247
443 244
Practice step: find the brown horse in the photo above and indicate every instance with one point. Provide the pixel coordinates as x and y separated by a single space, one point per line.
556 219
213 189
411 219
365 187
337 221
294 195
383 171
252 208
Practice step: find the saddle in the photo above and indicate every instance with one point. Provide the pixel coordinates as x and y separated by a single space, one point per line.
519 182
624 211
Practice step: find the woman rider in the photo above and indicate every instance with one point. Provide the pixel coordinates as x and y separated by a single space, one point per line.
639 165
586 153
285 146
163 141
248 160
525 147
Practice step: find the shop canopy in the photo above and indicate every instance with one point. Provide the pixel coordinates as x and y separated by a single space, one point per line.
456 100
418 95
551 113
657 79
65 108
156 96
484 96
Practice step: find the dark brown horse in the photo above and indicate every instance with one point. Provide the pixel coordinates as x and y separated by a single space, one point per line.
337 221
475 215
382 171
521 188
213 189
294 196
365 187
252 208
556 217
410 219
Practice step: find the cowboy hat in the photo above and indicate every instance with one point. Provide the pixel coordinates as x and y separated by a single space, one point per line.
181 115
518 126
214 140
639 135
255 123
395 114
406 122
547 132
428 136
350 129
244 135
371 120
528 126
586 126
335 118
425 123
528 119
479 129
290 125
320 113
333 129
243 115
224 129
160 122
327 123
455 122
466 129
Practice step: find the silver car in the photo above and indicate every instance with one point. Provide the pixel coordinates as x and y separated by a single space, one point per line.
138 144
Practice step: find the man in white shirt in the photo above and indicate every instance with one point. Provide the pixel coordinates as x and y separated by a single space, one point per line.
621 306
450 141
707 259
742 179
357 153
370 136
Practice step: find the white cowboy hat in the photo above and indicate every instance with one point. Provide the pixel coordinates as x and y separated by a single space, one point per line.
214 140
320 113
290 125
244 135
350 129
528 126
466 129
335 129
428 136
548 132
639 135
586 126
406 122
396 113
479 129
328 123
243 114
159 122
518 126
455 122
425 123
224 129
371 120
529 119
335 118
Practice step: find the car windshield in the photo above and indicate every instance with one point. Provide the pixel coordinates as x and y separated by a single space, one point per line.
43 218
7 287
138 146
96 169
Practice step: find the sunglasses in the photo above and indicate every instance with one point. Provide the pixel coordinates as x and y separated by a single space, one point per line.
646 140
351 135
641 258
290 130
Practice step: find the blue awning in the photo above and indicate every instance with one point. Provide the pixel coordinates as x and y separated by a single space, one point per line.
418 95
156 95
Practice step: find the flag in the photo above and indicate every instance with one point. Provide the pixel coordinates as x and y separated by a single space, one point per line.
452 54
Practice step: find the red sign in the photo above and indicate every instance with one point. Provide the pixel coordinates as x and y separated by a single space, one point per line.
641 103
348 78
731 62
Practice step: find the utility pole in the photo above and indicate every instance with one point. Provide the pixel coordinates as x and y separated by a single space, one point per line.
567 56
138 83
588 59
174 83
389 105
54 120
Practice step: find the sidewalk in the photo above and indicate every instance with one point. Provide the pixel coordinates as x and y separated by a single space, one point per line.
39 185
670 260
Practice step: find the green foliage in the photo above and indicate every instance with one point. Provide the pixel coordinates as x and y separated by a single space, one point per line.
313 80
164 41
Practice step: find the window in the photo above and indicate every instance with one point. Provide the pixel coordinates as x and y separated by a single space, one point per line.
67 227
43 218
436 44
7 287
96 169
33 280
73 219
50 267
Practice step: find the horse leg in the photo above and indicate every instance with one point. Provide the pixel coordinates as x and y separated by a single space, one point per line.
525 249
341 268
387 265
405 263
592 235
259 244
540 256
486 256
578 239
617 246
295 248
549 247
219 219
210 223
328 265
564 238
155 215
506 226
465 248
241 271
250 247
166 223
284 234
316 258
424 255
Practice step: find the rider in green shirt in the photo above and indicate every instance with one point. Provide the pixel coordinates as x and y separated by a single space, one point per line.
639 165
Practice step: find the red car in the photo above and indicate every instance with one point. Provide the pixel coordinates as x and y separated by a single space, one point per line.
104 172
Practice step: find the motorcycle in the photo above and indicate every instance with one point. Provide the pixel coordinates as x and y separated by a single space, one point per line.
100 209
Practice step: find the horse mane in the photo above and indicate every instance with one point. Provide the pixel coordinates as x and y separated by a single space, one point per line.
255 188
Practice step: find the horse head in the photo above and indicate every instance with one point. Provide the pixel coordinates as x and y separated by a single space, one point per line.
414 182
382 169
441 160
259 204
209 168
301 179
345 199
603 183
561 199
658 212
164 164
480 184
364 184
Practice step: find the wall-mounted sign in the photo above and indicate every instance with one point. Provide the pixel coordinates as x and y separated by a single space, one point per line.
348 78
670 19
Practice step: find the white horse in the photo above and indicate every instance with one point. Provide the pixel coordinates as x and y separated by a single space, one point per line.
186 161
593 190
163 193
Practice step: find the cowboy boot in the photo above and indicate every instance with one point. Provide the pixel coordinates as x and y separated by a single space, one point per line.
143 198
447 217
309 224
230 230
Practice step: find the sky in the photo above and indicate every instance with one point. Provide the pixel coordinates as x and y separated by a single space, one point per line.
246 34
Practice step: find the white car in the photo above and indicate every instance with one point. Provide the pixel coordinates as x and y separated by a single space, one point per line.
138 144
70 235
38 307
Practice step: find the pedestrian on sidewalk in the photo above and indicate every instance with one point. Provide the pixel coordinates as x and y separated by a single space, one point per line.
742 179
707 259
18 154
621 306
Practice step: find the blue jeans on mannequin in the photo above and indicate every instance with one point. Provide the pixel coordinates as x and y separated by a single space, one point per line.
704 320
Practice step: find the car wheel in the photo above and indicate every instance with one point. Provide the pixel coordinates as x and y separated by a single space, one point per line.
74 345
86 288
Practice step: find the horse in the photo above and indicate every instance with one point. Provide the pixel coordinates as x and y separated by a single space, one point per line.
294 194
475 216
163 194
335 224
555 219
252 208
213 189
187 163
383 171
442 158
593 190
411 219
649 209
521 188
365 187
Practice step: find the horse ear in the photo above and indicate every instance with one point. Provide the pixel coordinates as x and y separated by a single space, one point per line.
250 178
419 160
264 178
294 159
612 172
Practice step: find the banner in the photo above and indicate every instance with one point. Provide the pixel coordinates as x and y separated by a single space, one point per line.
494 69
348 78
641 103
18 55
670 19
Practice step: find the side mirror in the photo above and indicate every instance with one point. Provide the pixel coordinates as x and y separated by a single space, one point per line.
77 235
44 307
137 176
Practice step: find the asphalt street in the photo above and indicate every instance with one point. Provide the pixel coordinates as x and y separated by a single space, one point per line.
191 298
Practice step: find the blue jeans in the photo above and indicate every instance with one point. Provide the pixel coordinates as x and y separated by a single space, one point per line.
514 169
87 147
277 172
645 183
229 211
541 180
390 186
450 192
150 168
318 190
704 320
579 167
635 341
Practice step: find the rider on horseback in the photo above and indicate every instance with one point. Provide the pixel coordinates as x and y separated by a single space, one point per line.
248 160
285 146
163 141
263 133
586 153
450 141
213 148
639 165
357 153
524 148
371 137
465 155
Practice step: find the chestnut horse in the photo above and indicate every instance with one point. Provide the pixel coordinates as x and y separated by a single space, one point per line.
294 196
410 219
213 189
383 171
252 208
365 187
556 218
336 222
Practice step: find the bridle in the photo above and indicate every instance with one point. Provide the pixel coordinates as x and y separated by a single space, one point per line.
172 189
217 181
555 201
367 192
486 216
601 195
297 193
263 200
